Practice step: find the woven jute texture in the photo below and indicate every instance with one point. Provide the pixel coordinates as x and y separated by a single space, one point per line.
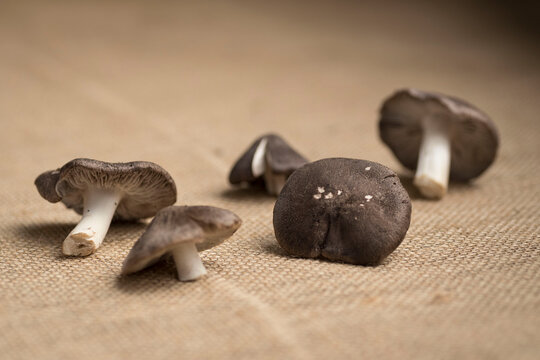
189 86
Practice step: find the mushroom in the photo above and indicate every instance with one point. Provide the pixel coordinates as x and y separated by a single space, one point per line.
349 210
269 159
440 136
100 191
182 231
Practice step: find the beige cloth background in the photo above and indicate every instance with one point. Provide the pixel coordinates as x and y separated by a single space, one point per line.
189 86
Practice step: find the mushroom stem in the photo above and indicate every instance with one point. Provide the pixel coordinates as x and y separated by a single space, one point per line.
188 262
87 236
433 167
274 182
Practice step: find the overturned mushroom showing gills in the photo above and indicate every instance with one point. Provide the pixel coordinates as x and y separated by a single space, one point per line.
349 210
269 159
101 191
439 136
182 231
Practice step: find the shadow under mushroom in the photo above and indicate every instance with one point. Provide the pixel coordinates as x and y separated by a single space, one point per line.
274 249
253 192
407 182
51 234
161 273
45 234
457 187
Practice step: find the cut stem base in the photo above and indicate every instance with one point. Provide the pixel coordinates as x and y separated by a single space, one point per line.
87 236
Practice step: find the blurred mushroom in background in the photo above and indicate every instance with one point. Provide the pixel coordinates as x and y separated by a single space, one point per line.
438 136
269 159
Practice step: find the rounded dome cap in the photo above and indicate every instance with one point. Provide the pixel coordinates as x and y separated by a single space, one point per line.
349 210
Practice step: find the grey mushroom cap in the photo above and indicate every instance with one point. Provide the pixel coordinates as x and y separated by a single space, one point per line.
146 187
46 185
474 137
280 156
206 226
348 210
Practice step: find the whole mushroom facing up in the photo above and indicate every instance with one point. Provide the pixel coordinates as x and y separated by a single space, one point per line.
269 159
101 191
349 210
182 231
439 136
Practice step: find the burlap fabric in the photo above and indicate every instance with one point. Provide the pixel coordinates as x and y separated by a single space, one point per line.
189 86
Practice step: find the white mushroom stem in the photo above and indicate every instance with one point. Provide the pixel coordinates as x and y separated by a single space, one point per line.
433 167
87 236
274 182
188 262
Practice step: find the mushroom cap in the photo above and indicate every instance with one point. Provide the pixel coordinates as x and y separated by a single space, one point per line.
280 156
46 185
349 210
474 138
146 187
206 226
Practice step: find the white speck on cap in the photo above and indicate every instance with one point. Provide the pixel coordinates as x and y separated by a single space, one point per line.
320 189
362 205
368 197
368 168
329 196
317 196
339 192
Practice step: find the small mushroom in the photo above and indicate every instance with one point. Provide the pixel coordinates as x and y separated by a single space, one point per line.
182 231
349 210
440 136
269 158
100 191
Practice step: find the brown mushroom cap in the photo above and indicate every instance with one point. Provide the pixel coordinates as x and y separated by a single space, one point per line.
349 210
206 226
474 138
281 157
146 187
46 185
